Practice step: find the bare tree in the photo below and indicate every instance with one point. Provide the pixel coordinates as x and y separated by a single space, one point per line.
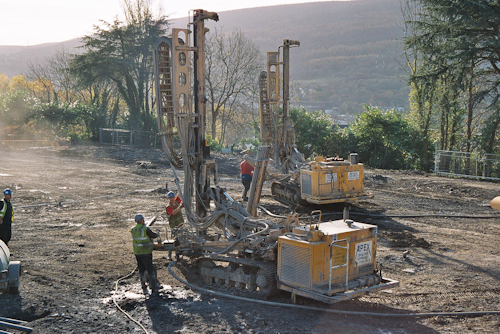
422 93
233 64
52 78
235 121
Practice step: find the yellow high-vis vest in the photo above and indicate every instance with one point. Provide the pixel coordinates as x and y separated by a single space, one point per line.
142 243
4 210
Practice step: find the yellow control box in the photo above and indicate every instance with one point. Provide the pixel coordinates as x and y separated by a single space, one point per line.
329 257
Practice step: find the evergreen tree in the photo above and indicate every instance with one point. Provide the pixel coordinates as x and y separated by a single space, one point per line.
120 52
452 46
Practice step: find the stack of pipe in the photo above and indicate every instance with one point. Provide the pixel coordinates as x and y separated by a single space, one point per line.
17 325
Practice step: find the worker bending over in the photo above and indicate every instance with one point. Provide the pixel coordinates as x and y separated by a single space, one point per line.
174 207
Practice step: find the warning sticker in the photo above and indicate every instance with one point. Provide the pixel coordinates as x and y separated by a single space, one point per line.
328 177
353 175
363 253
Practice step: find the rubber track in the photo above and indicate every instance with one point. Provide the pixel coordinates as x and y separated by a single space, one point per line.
282 185
270 268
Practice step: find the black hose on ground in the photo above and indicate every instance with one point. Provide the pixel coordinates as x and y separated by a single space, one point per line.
385 216
118 306
318 309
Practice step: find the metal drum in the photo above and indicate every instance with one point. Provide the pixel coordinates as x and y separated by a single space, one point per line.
4 256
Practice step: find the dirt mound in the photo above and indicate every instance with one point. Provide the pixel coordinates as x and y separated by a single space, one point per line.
406 239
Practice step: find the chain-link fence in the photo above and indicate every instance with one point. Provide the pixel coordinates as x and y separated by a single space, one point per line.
483 166
128 137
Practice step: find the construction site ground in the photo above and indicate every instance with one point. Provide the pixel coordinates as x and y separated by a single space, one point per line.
74 208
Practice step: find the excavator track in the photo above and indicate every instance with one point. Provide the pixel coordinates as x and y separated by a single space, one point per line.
286 192
256 277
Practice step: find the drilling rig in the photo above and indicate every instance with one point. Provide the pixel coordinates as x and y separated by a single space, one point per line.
226 242
322 181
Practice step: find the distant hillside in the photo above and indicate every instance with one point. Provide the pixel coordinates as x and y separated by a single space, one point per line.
347 54
348 49
15 60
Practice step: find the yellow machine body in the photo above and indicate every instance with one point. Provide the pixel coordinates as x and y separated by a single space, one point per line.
330 261
326 182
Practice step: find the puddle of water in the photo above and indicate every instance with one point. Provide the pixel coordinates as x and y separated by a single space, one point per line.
125 294
133 295
134 292
185 294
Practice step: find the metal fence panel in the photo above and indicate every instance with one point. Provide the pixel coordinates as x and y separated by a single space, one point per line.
128 137
466 164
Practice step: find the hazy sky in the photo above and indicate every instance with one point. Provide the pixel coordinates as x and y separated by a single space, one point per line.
31 22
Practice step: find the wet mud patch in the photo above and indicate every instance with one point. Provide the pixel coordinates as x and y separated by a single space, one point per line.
28 312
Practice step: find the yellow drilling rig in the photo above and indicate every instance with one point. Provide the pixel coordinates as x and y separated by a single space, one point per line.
226 242
322 181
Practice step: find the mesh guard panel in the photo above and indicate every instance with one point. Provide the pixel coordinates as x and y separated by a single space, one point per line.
295 265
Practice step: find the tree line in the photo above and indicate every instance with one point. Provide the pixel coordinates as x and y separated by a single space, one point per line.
383 139
452 55
450 52
110 83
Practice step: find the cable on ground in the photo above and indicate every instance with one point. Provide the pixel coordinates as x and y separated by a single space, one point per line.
385 216
118 306
318 309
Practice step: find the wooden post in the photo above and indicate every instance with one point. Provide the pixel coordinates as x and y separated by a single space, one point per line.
259 176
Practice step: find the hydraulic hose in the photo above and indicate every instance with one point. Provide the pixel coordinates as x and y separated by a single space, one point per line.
118 306
385 216
318 309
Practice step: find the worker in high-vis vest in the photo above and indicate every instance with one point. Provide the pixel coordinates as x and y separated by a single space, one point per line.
143 251
6 216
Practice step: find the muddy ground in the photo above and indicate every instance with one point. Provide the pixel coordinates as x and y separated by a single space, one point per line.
74 207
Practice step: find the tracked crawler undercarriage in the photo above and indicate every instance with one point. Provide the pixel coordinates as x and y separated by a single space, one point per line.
286 191
244 274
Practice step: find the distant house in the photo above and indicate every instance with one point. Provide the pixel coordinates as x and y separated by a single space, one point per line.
341 120
398 109
314 105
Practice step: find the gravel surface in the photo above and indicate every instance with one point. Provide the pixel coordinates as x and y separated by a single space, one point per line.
74 207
